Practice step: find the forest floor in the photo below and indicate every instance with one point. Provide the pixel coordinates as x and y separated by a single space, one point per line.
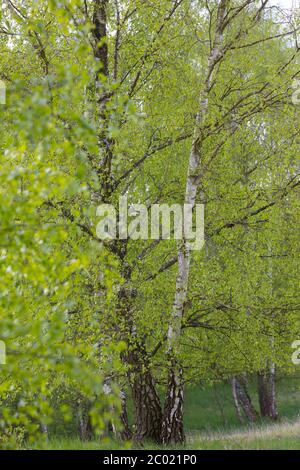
211 423
280 436
285 435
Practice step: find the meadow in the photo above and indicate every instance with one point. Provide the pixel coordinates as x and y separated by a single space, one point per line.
211 423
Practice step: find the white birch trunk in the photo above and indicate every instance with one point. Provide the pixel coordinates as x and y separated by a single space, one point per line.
172 429
236 401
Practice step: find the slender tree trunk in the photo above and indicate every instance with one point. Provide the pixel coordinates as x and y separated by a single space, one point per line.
99 33
242 400
126 433
266 378
172 427
237 404
85 428
102 165
267 393
43 425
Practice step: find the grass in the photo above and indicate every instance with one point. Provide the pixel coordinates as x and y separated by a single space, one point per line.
211 409
284 435
211 423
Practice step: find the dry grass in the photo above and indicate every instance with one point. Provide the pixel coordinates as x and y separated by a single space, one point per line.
272 431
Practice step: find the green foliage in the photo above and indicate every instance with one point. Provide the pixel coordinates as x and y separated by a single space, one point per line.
73 310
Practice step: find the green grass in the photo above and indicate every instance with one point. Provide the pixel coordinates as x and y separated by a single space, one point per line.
211 409
284 435
65 443
211 423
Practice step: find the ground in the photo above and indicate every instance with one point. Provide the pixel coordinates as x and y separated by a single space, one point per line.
211 423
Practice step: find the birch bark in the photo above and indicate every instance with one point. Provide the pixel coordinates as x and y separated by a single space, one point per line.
172 427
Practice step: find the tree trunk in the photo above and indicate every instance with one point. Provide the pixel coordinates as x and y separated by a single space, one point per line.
43 425
99 33
237 404
126 433
172 426
242 399
148 413
85 428
267 393
172 429
44 428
